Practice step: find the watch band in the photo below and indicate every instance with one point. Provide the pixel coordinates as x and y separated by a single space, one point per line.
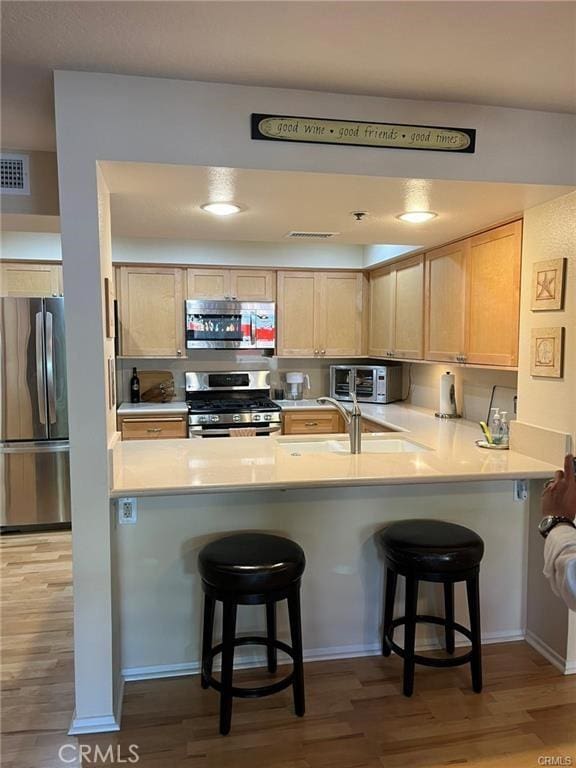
550 522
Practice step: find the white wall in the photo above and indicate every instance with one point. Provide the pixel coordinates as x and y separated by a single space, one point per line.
109 117
160 591
31 246
473 387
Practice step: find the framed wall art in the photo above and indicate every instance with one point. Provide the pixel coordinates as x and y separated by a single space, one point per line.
548 285
547 352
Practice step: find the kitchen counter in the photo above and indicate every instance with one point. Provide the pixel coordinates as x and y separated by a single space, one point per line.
142 468
152 409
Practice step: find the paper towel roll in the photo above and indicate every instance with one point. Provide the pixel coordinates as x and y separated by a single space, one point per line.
447 395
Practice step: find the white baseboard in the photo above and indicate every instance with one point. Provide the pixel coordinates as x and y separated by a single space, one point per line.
567 668
314 654
103 724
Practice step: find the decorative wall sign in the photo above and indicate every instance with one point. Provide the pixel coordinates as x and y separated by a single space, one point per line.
359 133
547 352
548 284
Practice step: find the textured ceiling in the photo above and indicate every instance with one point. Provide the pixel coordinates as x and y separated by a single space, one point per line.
519 54
163 201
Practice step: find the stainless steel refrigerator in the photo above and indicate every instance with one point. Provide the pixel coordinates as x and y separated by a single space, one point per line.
34 449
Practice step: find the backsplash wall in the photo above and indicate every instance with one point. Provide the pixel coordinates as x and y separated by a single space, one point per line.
473 385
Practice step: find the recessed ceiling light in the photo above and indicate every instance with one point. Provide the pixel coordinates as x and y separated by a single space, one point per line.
221 209
417 217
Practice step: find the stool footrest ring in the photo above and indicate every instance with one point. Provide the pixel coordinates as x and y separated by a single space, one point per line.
250 693
427 661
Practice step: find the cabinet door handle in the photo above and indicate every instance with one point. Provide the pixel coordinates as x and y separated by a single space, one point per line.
147 421
322 351
315 351
154 430
178 351
311 424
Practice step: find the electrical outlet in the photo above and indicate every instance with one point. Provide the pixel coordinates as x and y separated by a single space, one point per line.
127 511
520 490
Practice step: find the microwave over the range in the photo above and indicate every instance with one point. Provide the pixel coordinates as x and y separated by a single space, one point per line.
230 325
371 384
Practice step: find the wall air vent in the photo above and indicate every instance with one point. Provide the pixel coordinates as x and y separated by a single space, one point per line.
14 174
312 235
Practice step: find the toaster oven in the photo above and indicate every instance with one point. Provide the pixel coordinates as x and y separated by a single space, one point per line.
371 384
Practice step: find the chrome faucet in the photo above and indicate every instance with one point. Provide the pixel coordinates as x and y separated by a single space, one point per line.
353 419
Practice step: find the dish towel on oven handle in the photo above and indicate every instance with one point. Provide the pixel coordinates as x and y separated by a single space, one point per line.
242 432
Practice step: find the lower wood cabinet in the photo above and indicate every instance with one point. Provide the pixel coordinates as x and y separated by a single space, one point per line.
373 426
152 427
312 422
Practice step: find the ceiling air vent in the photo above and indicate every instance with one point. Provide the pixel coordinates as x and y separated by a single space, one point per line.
312 235
14 174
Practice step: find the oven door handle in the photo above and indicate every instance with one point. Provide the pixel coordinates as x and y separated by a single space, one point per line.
202 432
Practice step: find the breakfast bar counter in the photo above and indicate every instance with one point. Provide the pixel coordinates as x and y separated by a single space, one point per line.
424 450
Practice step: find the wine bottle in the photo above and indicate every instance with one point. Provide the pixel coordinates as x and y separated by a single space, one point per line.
134 387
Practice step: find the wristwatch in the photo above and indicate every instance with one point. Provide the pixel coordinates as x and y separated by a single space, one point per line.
551 521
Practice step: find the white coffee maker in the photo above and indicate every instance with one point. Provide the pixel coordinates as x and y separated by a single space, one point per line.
296 381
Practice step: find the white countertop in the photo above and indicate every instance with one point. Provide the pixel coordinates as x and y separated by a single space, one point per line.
149 409
162 467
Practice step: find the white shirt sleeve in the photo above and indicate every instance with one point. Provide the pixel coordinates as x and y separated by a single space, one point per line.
560 563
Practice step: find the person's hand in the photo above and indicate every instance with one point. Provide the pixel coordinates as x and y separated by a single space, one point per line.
559 496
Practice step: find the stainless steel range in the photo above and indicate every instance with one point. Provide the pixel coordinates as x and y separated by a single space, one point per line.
220 402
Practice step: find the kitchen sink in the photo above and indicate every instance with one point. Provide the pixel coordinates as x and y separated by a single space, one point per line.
369 445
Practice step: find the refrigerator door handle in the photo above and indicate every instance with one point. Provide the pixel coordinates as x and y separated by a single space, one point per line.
50 368
40 383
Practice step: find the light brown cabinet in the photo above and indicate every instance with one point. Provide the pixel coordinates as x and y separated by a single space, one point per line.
320 314
236 284
34 280
152 427
445 324
151 307
397 310
494 296
473 299
369 426
322 421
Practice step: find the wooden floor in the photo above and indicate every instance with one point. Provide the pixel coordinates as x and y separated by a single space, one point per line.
356 716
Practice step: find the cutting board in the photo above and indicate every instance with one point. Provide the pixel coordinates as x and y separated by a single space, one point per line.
156 386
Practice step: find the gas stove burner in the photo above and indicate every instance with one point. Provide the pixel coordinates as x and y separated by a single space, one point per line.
232 405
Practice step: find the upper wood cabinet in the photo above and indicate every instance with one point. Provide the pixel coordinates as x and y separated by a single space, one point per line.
151 307
446 270
240 284
494 296
208 284
473 299
381 326
320 314
33 280
397 310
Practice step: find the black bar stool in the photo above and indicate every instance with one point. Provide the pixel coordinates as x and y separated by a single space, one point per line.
432 550
251 569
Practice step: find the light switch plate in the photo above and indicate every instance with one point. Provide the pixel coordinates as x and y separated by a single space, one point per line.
127 511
